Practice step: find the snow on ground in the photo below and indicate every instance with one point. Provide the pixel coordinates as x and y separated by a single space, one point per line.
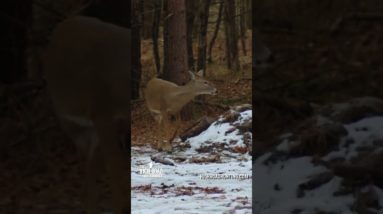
219 183
278 186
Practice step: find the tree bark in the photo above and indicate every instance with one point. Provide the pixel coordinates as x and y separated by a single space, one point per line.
155 32
231 36
249 15
204 17
143 25
190 18
176 44
242 25
216 30
147 6
166 37
136 51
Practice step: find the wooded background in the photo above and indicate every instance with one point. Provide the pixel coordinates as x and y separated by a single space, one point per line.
178 36
187 38
324 52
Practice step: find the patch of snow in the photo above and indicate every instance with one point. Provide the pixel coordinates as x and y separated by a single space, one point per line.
360 134
277 183
285 176
229 179
244 116
224 133
190 175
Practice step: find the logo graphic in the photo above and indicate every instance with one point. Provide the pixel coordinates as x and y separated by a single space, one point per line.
150 171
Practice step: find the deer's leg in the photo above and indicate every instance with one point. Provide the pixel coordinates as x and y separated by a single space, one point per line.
116 165
91 189
164 143
160 130
84 135
177 117
159 133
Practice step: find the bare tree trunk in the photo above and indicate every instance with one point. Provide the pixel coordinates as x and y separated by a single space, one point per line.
136 50
204 17
165 32
177 50
227 35
155 32
249 14
242 25
190 18
214 37
141 13
231 36
147 6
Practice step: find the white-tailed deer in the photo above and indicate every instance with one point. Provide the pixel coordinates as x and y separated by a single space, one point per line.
87 68
164 98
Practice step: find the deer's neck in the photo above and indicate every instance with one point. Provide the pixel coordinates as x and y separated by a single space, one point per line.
180 98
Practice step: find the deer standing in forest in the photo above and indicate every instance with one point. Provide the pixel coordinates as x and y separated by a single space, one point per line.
164 99
87 68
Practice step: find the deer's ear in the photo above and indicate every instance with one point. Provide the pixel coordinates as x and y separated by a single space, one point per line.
200 73
192 76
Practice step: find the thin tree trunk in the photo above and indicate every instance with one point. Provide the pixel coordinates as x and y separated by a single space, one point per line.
166 37
190 18
155 32
136 50
216 30
141 7
249 15
242 25
227 35
147 16
204 17
231 36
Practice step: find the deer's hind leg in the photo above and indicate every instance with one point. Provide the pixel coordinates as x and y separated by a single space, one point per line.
84 135
93 166
164 144
115 164
177 122
160 131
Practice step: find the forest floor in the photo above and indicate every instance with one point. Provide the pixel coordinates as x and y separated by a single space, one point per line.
330 163
208 173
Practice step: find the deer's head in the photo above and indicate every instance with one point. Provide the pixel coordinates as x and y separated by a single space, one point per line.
200 84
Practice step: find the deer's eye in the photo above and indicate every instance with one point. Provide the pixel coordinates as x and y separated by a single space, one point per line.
205 82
